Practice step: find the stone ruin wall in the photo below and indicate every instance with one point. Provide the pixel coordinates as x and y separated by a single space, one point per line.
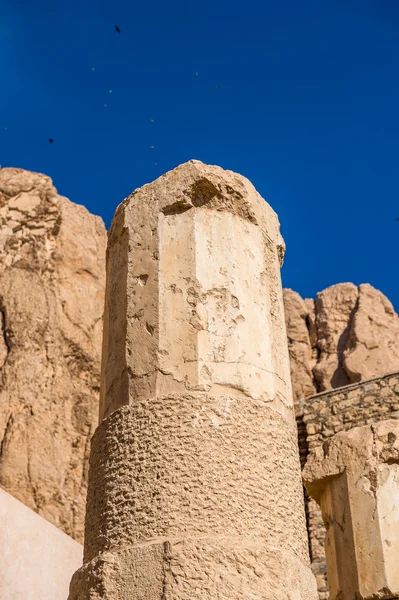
354 478
324 415
37 558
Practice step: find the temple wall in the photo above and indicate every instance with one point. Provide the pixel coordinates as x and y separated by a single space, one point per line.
324 415
37 560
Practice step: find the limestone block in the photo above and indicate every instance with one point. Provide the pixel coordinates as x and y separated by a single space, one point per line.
199 568
185 255
194 484
37 560
354 477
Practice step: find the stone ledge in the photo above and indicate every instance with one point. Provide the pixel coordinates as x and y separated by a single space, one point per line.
345 388
223 567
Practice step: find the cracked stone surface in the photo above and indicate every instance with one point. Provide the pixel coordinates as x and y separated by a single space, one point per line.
348 334
194 484
354 477
52 279
182 311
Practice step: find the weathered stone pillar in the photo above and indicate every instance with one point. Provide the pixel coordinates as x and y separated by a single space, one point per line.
355 479
195 488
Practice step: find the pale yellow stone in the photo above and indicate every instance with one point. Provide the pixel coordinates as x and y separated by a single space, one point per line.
25 202
37 559
355 479
195 489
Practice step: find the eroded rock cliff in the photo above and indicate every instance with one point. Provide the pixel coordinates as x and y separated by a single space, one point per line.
52 278
348 334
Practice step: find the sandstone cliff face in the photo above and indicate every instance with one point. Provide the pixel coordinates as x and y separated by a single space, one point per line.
302 338
52 278
346 335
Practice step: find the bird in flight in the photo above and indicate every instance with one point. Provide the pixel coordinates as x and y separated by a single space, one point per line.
51 141
117 29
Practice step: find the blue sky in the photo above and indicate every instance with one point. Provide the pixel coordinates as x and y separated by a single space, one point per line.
307 108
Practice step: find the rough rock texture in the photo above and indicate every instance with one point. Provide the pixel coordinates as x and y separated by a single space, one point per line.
52 276
347 335
194 485
373 347
354 477
302 342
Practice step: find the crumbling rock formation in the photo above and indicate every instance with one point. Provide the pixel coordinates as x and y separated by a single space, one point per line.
52 278
374 337
346 335
302 338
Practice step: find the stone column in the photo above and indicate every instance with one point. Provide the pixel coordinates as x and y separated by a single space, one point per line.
354 477
195 488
